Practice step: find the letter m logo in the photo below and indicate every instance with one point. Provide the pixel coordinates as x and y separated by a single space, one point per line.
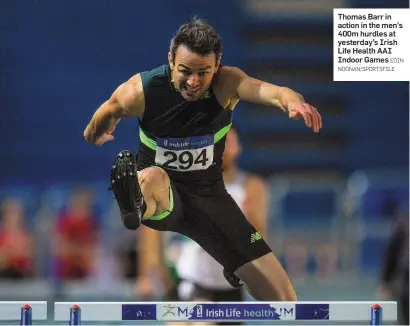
183 312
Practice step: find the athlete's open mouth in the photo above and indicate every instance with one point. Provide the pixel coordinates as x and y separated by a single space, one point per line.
190 90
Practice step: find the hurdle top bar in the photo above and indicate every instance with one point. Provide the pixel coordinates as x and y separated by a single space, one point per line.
112 311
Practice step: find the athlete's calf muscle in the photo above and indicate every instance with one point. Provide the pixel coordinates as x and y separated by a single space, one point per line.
267 280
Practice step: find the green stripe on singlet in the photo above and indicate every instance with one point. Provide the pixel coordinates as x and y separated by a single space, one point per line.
147 141
221 133
153 145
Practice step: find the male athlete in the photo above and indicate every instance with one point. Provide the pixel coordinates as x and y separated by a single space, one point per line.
185 111
194 275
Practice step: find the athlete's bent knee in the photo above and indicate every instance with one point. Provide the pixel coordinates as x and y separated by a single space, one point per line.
154 176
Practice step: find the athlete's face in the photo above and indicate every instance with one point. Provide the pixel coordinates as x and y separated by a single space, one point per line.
192 73
232 148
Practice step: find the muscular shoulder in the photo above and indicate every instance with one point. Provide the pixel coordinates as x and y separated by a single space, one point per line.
130 95
156 74
226 74
227 80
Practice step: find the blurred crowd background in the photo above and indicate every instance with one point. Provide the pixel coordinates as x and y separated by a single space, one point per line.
337 198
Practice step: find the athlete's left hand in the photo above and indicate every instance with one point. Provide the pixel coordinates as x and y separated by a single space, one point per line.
299 110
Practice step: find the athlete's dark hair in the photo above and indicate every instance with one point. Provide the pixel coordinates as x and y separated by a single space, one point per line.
197 36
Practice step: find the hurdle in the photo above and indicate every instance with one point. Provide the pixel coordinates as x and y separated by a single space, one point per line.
25 312
292 312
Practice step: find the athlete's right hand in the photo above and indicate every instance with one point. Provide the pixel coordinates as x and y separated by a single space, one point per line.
103 139
98 141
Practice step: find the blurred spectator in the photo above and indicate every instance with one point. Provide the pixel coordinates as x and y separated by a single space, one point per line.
296 257
327 259
127 256
390 206
16 247
394 283
76 238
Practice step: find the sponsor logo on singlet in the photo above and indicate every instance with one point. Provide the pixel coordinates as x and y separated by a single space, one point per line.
185 154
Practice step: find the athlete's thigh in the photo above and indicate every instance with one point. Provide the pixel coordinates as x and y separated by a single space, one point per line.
218 225
248 242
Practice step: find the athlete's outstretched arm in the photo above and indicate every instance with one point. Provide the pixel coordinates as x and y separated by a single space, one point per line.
126 101
253 90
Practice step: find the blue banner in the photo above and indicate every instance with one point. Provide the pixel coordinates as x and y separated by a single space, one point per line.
226 311
139 312
312 311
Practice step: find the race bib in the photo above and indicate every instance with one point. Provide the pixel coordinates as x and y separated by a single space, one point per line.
185 154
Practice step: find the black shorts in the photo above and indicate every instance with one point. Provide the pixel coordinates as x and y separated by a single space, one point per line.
209 216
